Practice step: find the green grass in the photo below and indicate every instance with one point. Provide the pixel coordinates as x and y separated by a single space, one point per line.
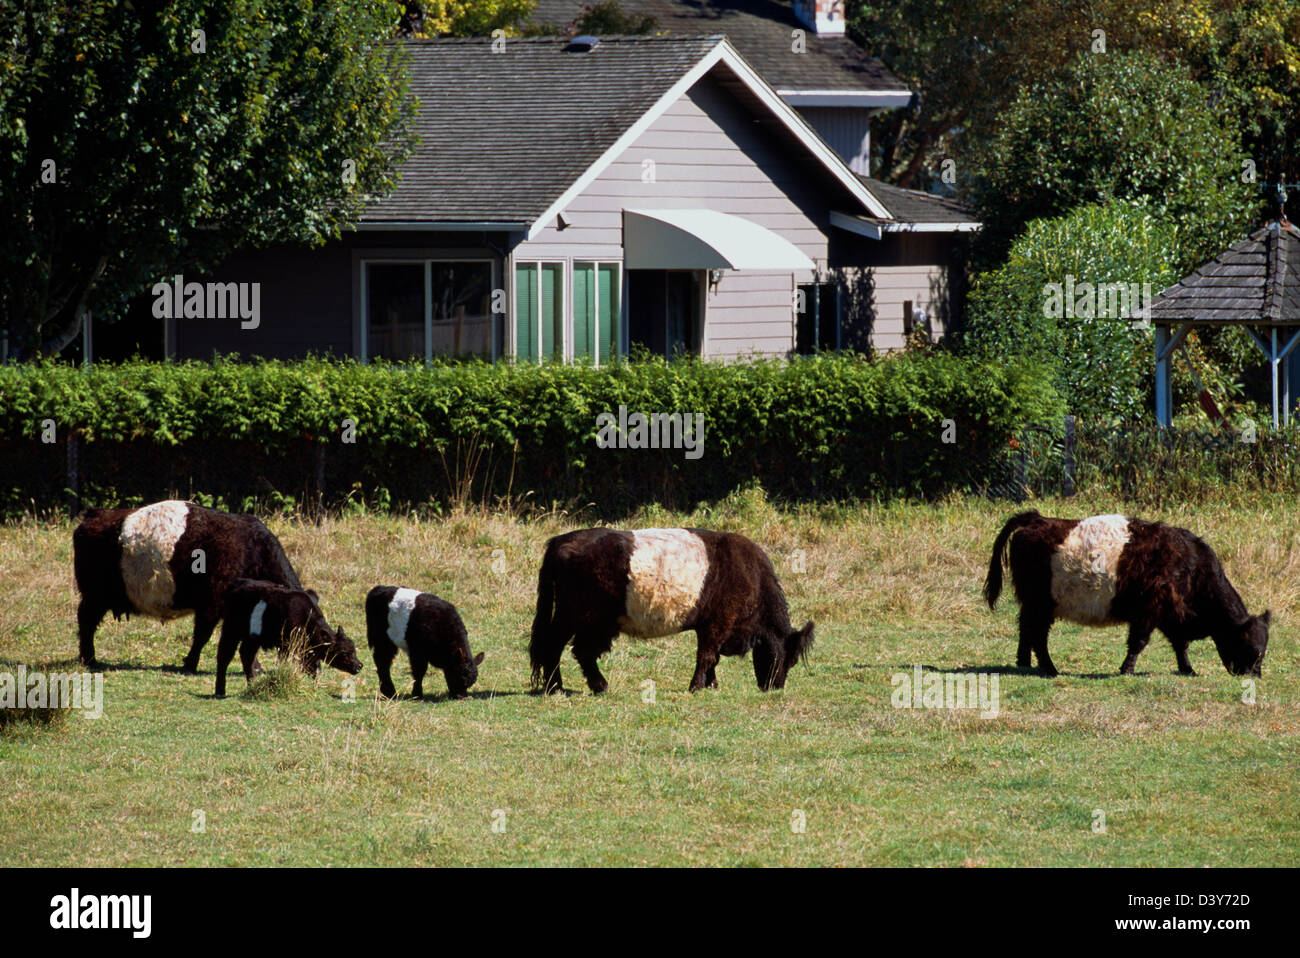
1185 772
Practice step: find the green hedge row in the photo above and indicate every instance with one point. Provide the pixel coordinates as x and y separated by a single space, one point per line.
830 426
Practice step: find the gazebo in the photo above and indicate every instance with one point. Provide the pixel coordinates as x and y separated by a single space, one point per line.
1254 284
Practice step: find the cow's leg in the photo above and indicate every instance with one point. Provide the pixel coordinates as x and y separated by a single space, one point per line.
226 647
711 680
768 671
558 638
588 647
384 654
1180 653
419 665
706 658
1034 627
248 656
1024 652
89 615
1139 635
203 626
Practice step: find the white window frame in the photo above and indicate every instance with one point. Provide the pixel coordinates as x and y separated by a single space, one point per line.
566 314
616 329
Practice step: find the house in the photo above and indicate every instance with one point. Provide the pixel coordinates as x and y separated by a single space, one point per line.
581 199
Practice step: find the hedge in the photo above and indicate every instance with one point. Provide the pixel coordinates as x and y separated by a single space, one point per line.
250 434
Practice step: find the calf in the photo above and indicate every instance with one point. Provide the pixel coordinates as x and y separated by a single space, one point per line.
1108 570
428 629
258 615
596 583
165 561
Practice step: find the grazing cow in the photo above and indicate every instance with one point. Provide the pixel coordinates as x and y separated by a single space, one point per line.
596 583
259 614
165 561
431 632
1108 570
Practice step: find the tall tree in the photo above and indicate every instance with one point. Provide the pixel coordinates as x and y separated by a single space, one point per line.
463 18
1127 126
141 139
967 60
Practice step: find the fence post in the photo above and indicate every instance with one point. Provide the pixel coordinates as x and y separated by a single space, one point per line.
320 480
1022 471
74 473
1068 458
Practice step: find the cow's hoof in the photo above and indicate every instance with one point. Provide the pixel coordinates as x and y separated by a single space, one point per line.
1188 672
94 665
188 670
598 687
1048 673
388 693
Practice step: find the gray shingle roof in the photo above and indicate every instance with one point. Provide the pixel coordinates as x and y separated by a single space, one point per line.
760 30
914 206
502 135
1254 281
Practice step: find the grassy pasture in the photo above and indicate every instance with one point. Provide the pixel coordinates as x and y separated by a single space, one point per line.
1185 772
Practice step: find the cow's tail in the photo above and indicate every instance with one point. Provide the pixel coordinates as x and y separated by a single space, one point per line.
798 644
993 583
539 644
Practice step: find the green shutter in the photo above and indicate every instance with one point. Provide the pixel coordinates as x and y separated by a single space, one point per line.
584 310
608 323
552 311
526 311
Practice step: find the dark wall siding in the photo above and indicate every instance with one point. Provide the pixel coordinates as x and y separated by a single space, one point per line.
308 296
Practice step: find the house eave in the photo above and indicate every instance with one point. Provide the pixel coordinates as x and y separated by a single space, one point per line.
440 226
875 229
877 99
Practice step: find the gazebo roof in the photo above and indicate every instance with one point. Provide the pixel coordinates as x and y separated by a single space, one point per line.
1255 281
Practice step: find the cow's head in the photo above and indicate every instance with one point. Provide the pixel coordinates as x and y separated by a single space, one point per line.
328 645
462 676
341 653
1242 650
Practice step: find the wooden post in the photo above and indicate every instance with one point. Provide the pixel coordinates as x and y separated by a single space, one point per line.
1022 472
1067 458
1272 365
320 480
1164 397
74 473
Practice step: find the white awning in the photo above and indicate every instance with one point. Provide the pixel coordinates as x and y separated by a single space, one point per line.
704 239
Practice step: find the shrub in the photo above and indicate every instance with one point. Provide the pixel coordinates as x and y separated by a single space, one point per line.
1104 367
242 434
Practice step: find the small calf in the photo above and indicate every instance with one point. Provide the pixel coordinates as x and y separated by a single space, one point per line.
257 615
428 629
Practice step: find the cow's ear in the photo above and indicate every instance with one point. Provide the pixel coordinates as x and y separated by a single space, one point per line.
1267 617
478 659
312 593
